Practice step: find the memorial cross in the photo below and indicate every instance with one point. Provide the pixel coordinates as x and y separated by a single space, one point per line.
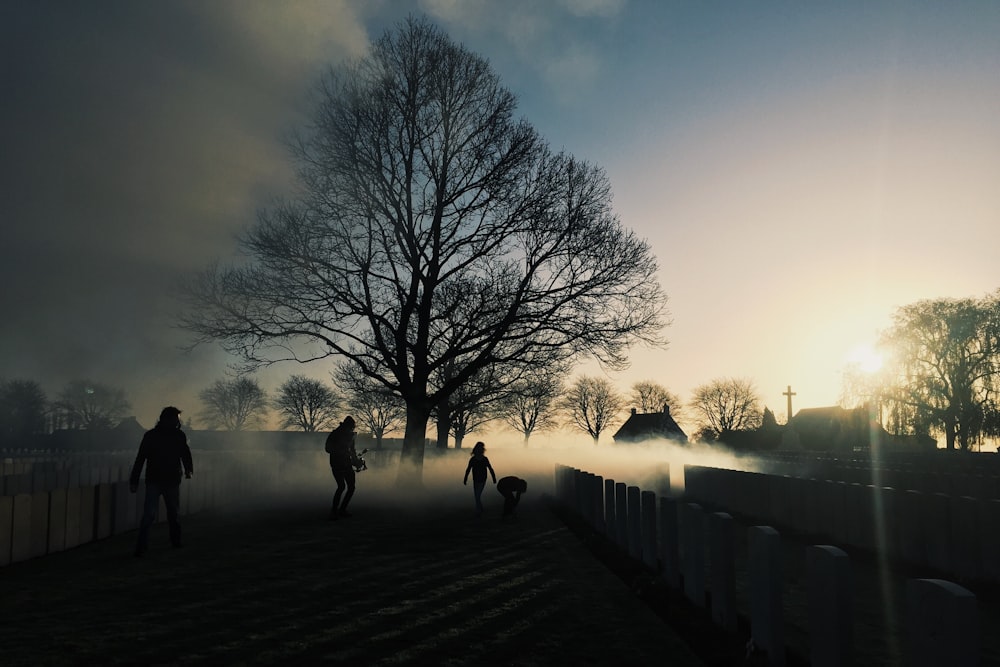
789 393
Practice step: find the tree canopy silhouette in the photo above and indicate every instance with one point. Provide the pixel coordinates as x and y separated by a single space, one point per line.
432 228
725 405
943 373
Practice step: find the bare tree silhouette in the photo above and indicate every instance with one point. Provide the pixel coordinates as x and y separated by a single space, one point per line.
422 195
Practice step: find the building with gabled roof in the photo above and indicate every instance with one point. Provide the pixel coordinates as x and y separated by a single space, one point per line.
650 426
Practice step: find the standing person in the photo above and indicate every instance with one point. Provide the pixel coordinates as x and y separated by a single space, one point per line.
511 489
340 445
164 451
478 465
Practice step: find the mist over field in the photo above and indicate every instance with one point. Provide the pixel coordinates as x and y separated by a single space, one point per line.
305 474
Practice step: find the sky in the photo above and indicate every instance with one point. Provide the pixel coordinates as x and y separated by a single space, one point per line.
800 170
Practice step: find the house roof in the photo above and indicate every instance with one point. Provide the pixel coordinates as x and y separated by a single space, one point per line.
649 425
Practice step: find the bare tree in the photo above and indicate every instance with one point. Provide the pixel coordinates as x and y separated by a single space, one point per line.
530 403
649 397
379 409
725 405
476 402
592 405
307 404
422 194
23 408
943 373
91 405
233 405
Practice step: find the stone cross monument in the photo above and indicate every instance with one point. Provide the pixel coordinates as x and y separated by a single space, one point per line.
789 393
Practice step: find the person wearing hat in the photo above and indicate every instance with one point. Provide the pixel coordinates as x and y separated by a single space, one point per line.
164 451
340 446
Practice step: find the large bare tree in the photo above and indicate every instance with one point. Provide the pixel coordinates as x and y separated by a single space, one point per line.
943 372
592 405
422 195
727 404
307 404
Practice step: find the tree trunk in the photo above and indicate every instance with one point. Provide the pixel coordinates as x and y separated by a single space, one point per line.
949 435
443 426
411 460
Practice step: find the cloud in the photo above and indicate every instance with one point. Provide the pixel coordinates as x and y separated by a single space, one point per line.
561 59
139 139
601 8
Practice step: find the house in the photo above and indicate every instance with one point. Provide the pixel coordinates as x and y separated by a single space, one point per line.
649 426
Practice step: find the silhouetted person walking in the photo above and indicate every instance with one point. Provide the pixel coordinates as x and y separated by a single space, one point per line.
478 465
340 445
511 489
164 451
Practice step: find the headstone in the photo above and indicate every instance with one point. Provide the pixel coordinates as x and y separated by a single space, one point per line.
621 515
610 524
597 503
942 624
693 552
21 532
648 504
88 495
912 544
57 520
767 627
73 495
722 560
124 508
634 495
937 515
669 540
830 589
39 524
103 511
965 535
6 528
989 539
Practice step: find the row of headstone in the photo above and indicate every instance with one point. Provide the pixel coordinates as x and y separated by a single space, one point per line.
956 536
44 522
49 479
687 545
951 475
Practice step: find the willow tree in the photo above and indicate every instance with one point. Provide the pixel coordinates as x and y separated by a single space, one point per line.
421 194
944 370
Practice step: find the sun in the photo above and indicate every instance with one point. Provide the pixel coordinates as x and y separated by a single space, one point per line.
865 358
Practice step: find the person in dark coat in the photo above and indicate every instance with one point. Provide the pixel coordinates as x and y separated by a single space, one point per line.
511 489
340 445
164 451
478 466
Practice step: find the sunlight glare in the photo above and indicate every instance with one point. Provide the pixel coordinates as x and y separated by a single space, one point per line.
865 357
